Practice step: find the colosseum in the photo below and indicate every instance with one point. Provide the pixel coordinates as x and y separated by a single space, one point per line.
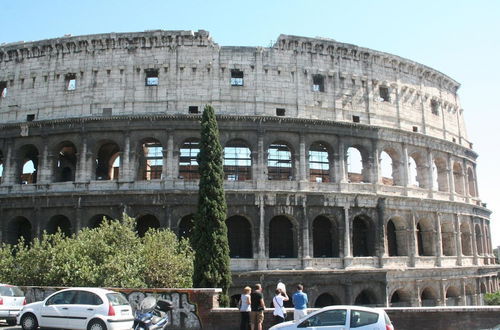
346 169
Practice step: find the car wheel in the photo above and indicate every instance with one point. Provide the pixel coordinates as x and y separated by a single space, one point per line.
29 322
11 322
96 324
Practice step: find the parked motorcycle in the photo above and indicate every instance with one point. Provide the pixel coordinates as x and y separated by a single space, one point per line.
152 314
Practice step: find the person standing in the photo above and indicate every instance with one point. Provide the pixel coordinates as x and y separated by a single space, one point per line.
245 308
300 301
257 307
279 310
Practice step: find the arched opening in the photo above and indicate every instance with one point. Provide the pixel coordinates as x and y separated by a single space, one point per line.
355 166
66 162
392 243
452 296
186 226
239 234
400 298
29 162
151 160
59 223
412 172
281 238
428 297
188 162
440 175
108 162
326 299
97 220
363 236
145 223
389 167
465 236
325 238
471 180
365 298
18 228
319 163
458 178
425 238
483 288
397 237
279 162
448 239
469 295
479 239
237 161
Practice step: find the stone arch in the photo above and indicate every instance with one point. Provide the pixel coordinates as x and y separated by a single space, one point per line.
282 241
479 239
108 161
326 299
18 228
279 161
319 162
458 178
150 160
59 222
363 236
397 237
425 237
400 298
188 162
469 295
65 166
366 298
465 236
186 225
390 167
28 167
239 233
146 222
416 170
448 239
237 161
440 169
357 164
428 297
471 180
452 296
482 288
325 237
97 220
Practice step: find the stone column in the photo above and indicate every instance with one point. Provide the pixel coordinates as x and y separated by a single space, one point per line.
9 166
376 173
261 253
82 174
439 240
261 170
125 174
441 300
306 257
302 177
44 170
413 241
341 174
169 169
418 298
463 292
458 239
451 178
347 238
485 238
405 180
430 162
474 242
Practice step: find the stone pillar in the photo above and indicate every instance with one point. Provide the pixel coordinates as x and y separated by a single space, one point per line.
485 238
125 174
347 238
169 169
376 173
418 298
306 257
430 162
474 242
451 178
413 242
261 253
9 166
441 300
463 292
261 170
405 180
458 239
44 170
82 174
302 159
439 240
341 167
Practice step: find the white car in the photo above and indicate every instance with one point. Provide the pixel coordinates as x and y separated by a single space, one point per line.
341 317
11 301
79 308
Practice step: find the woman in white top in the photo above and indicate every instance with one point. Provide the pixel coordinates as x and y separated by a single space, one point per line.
244 307
279 310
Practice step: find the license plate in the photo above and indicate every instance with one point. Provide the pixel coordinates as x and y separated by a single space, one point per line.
125 312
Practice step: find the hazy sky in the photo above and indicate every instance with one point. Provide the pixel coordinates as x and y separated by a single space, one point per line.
457 37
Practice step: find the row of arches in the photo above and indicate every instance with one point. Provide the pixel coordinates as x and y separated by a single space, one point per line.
239 158
327 235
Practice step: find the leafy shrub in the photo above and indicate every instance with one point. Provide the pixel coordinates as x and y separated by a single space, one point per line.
492 298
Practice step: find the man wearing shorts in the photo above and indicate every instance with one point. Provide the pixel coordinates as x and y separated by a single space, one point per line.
257 308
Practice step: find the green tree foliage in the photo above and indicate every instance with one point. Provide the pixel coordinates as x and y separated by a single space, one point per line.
492 299
112 255
209 238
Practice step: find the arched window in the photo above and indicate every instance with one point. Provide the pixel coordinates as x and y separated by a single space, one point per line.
188 163
279 162
363 237
151 161
428 297
389 167
479 238
66 163
440 175
319 163
470 180
355 167
18 228
365 298
425 238
186 226
448 239
465 236
97 220
400 298
59 223
325 238
452 296
281 238
145 223
392 243
412 172
108 162
237 162
458 177
29 169
326 299
239 235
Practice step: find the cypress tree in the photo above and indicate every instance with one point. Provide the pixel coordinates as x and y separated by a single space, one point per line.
209 239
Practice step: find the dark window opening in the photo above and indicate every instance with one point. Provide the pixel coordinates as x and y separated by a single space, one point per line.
107 111
188 162
236 77
152 77
434 107
384 94
318 83
355 119
3 89
70 80
415 128
281 240
30 117
279 162
193 109
237 162
280 112
239 237
145 223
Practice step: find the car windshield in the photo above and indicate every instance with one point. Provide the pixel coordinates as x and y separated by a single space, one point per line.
11 291
116 299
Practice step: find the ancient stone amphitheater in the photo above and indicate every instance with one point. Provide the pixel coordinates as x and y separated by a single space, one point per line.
347 169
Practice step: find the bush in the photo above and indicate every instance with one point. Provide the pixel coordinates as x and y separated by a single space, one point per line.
112 255
492 298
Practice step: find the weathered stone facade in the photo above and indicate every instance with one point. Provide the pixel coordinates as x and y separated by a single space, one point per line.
95 126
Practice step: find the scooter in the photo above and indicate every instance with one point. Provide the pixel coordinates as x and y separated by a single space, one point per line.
152 314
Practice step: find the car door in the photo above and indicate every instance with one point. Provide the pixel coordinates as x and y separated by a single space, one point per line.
54 312
334 319
364 320
84 306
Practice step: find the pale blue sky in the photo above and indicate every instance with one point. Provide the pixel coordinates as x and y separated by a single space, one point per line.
457 37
